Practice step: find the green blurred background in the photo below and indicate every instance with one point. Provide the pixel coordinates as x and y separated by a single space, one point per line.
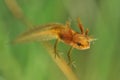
30 61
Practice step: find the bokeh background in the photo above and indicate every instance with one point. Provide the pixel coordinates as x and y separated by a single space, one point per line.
31 61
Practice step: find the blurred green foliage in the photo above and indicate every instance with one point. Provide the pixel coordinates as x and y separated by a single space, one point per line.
30 61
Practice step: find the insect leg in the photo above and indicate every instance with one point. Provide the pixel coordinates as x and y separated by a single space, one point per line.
80 26
86 33
55 48
68 28
69 55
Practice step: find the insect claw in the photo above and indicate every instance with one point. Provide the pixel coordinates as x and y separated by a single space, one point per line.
56 54
72 64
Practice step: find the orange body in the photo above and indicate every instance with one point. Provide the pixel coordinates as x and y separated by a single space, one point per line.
58 31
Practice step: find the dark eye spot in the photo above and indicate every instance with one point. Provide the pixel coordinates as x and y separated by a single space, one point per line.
79 44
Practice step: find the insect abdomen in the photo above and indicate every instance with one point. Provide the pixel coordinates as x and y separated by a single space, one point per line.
45 33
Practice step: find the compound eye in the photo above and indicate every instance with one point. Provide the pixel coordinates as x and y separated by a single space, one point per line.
79 44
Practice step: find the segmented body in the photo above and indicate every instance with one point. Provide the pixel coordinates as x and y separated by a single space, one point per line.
61 32
58 31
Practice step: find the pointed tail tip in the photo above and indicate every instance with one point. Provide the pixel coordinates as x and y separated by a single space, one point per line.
15 41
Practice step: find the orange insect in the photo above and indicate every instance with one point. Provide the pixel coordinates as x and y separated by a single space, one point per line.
60 32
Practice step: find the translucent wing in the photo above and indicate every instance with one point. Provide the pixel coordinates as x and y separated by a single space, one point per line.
41 33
